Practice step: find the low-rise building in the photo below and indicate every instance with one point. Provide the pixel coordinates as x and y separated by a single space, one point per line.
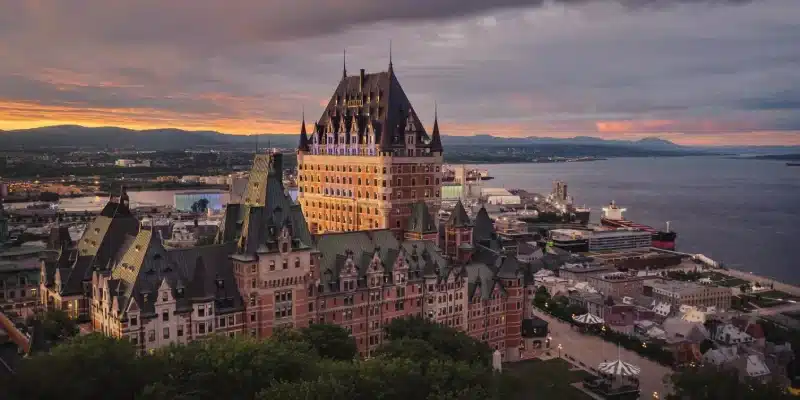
19 285
618 284
582 272
679 293
594 303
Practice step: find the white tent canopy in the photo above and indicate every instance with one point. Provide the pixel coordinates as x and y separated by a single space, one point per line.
588 319
619 368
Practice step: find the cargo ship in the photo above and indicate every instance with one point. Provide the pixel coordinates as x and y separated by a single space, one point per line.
612 216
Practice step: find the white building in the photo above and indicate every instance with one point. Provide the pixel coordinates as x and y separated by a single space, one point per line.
601 240
123 162
499 196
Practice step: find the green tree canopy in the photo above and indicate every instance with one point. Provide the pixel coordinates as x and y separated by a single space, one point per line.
56 325
330 341
713 383
451 342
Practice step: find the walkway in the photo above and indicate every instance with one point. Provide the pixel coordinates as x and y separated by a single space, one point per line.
592 350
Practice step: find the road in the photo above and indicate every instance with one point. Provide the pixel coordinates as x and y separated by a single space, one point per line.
791 307
592 350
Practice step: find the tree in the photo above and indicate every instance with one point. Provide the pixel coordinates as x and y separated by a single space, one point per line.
111 365
745 287
56 325
413 349
200 206
450 342
706 345
711 383
285 366
330 341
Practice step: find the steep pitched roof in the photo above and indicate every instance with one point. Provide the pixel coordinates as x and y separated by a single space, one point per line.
195 273
484 227
363 246
376 100
102 244
421 220
268 209
459 218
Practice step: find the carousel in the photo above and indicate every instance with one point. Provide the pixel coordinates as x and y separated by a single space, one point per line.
618 380
588 319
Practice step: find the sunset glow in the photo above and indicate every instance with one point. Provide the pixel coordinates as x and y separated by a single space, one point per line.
692 74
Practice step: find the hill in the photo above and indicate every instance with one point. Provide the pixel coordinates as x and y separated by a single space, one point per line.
74 136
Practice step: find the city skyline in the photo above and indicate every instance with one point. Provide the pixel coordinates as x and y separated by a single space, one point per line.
711 73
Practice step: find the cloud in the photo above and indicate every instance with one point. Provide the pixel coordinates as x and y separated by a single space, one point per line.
511 67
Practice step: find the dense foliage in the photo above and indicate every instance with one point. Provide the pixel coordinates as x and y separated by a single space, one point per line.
421 360
56 326
713 383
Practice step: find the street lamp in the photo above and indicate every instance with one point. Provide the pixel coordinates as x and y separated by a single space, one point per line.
559 350
655 396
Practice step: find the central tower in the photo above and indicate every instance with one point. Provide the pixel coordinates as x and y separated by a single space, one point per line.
368 159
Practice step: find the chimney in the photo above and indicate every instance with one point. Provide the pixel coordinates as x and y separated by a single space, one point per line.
361 82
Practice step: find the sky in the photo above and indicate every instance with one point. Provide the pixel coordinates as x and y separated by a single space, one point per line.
697 72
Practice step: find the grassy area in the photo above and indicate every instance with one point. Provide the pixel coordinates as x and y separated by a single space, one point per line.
764 301
777 294
549 379
732 282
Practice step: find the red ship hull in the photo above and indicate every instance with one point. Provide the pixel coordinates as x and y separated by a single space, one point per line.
661 240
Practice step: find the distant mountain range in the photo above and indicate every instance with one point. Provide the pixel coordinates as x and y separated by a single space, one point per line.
74 136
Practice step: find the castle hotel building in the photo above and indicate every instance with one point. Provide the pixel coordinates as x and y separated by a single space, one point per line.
359 249
368 158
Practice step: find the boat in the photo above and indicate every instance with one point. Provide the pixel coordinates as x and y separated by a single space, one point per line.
612 216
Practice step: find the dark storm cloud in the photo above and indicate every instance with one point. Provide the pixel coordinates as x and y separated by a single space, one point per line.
690 66
207 24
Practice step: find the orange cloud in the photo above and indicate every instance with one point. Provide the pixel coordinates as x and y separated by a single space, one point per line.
248 116
633 126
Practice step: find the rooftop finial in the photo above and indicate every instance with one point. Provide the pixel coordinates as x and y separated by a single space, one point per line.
435 110
344 64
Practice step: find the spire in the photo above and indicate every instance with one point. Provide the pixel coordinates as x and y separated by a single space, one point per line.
303 146
436 140
344 64
458 217
391 68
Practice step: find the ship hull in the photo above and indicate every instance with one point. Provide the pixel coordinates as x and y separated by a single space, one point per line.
660 240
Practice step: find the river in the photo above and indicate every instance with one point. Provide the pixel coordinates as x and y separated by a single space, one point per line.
740 212
745 213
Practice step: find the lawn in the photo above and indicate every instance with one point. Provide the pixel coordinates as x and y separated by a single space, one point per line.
549 379
732 282
777 294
